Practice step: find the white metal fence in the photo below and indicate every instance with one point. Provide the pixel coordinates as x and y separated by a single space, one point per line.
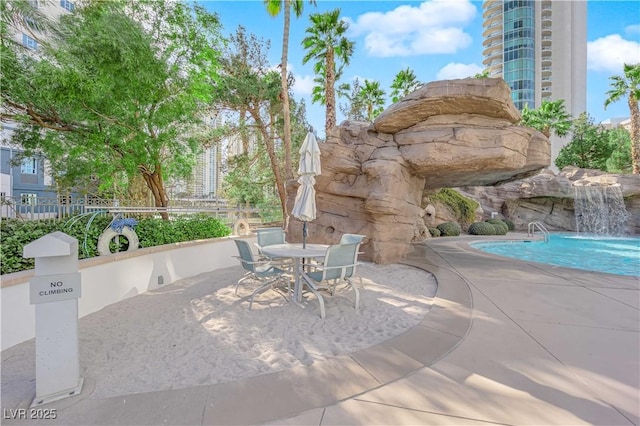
61 208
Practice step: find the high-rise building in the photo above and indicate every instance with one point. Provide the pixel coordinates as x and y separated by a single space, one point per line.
540 49
31 179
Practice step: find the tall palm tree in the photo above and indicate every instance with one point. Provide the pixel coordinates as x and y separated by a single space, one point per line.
404 83
550 116
629 85
274 7
372 97
327 44
19 16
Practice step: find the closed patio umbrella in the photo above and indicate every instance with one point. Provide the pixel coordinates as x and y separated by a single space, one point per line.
309 167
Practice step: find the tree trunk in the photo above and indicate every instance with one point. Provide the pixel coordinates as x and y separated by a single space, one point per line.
330 94
243 131
273 159
156 185
137 190
635 134
288 170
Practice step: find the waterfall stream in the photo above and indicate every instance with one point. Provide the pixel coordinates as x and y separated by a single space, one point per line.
600 210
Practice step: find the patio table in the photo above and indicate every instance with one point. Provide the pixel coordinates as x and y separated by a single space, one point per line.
297 253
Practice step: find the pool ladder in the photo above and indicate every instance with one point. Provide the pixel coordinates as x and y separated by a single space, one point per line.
531 229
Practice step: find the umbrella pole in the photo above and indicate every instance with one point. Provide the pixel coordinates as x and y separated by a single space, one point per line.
304 235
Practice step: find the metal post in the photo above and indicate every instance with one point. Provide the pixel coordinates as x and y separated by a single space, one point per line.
55 290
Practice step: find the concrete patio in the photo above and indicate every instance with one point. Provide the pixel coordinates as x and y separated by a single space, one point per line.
507 342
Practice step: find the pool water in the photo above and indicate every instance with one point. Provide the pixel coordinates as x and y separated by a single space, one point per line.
619 256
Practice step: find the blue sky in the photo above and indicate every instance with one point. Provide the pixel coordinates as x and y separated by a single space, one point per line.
437 39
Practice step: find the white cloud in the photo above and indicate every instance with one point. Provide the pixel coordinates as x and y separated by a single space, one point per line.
608 54
455 70
303 85
435 26
632 29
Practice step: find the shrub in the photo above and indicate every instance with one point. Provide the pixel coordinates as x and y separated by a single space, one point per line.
501 227
15 234
155 232
449 229
463 207
482 228
435 232
509 224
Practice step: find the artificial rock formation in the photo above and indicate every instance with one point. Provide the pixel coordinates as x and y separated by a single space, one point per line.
446 134
549 198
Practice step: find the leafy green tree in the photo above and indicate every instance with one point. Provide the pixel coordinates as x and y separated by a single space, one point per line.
594 147
300 126
364 102
550 116
354 108
327 44
628 85
274 7
250 181
589 148
404 83
483 74
620 161
247 85
113 95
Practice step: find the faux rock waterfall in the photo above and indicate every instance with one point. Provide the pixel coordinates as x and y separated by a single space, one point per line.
576 200
448 133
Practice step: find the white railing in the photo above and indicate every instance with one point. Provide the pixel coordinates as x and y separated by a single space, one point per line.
531 229
62 208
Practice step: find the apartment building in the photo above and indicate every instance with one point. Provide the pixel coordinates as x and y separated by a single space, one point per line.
209 171
29 180
539 47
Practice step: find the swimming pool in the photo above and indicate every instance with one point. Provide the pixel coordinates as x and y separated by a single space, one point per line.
619 256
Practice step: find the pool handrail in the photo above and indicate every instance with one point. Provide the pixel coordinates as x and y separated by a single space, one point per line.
531 229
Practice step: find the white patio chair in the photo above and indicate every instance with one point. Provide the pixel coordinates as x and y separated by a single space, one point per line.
346 239
338 268
262 271
351 238
269 237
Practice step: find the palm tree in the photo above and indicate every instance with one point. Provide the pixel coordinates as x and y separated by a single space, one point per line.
629 85
404 83
550 116
327 45
19 16
372 97
274 7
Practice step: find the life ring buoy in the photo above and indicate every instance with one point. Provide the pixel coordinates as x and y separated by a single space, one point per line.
241 227
110 233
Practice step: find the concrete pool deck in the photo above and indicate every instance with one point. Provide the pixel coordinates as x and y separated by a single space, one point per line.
506 342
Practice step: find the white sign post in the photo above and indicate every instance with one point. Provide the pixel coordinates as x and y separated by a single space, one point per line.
55 290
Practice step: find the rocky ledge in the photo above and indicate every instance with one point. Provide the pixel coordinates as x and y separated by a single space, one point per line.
446 134
550 198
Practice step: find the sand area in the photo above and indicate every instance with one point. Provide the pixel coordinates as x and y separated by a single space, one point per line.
197 332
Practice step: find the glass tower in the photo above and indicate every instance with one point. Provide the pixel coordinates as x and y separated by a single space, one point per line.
519 51
539 47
